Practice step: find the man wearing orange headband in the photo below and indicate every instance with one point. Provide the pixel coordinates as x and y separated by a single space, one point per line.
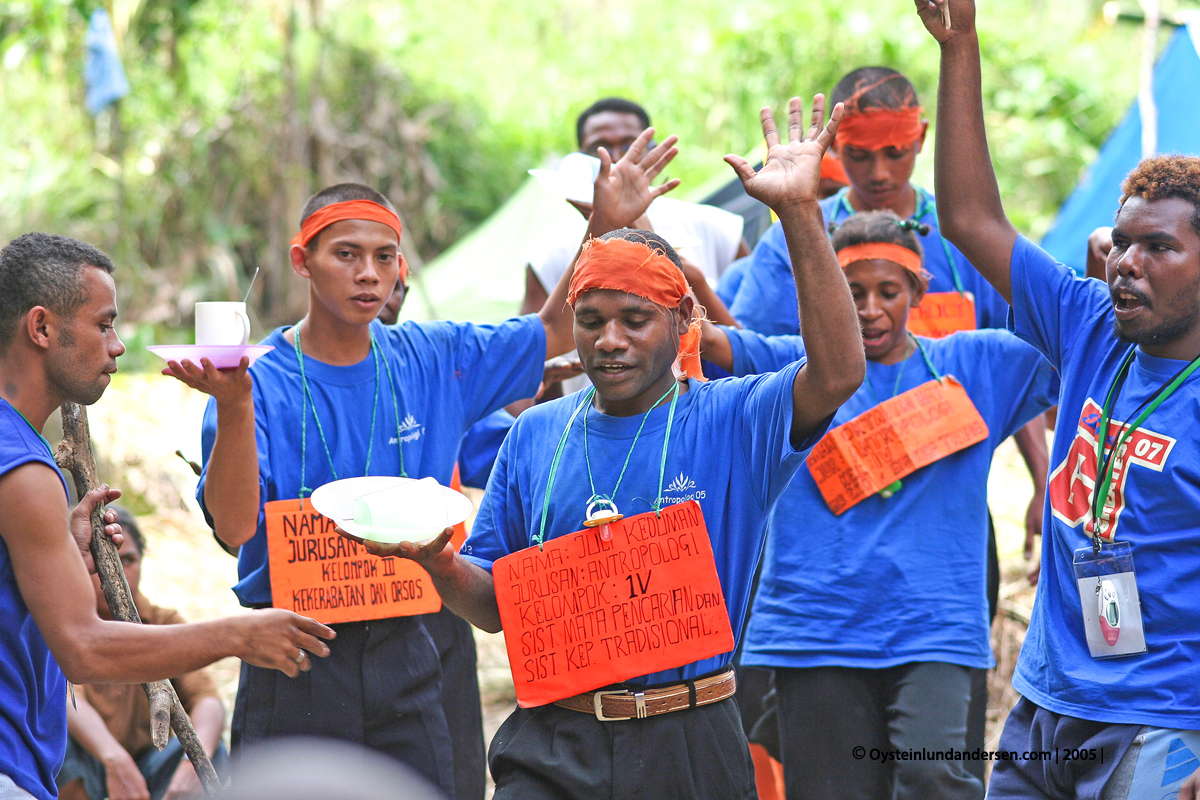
342 395
645 443
879 142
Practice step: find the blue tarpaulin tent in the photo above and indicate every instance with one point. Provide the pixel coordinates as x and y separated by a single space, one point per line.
1094 201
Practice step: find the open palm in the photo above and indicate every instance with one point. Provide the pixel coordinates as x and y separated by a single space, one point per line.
623 189
792 171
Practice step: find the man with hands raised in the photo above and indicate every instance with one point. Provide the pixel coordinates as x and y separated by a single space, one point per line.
58 344
738 441
342 396
1108 670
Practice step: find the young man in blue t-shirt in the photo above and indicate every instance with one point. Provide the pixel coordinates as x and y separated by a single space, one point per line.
730 445
1109 669
342 395
883 134
57 345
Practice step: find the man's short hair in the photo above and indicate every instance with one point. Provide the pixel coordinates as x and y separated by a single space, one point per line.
43 269
874 87
340 193
1160 177
618 105
648 238
129 526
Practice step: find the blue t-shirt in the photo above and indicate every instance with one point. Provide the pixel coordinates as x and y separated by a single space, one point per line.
730 450
766 298
447 376
33 691
1157 502
731 279
480 446
898 580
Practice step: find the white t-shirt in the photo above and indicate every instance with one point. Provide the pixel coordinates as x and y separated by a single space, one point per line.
707 236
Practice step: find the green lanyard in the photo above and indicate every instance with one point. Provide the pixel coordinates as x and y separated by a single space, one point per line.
924 207
1105 465
540 538
306 399
49 449
896 387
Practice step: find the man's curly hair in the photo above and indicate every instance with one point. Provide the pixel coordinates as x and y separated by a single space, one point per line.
1160 177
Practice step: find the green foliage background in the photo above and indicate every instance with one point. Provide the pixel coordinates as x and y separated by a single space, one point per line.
239 110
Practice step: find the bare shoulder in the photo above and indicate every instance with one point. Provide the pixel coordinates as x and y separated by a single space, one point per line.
33 505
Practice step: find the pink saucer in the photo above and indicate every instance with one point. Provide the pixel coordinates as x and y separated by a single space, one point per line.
222 356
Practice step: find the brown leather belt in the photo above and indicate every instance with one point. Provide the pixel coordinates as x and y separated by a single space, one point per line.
619 704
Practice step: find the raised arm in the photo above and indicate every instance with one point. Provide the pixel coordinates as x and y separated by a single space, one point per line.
788 182
231 485
622 195
55 586
970 212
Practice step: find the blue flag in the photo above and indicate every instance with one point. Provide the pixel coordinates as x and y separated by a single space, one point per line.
102 70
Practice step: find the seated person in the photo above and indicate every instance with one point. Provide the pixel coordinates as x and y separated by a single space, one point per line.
110 752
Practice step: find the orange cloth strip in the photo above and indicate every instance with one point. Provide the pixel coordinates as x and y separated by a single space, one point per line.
633 267
322 218
831 168
887 251
876 129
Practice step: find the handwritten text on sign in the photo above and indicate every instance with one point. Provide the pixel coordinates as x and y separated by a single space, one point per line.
584 612
897 437
319 573
941 314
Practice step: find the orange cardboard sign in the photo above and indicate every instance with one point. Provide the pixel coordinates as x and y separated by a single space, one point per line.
317 572
895 438
587 611
941 314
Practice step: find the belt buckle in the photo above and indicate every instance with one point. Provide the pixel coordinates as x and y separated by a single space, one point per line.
597 704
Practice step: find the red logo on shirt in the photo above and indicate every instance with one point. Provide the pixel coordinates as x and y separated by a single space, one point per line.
1074 481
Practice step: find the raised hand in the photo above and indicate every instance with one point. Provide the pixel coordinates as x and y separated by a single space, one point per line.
936 13
427 554
224 384
792 172
623 191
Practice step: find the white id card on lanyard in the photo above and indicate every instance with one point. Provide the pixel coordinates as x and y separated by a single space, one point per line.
1108 595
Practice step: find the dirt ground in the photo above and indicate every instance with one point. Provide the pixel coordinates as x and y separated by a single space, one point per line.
144 418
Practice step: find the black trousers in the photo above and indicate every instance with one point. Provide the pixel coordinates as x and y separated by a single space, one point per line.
553 753
380 686
977 715
836 722
455 643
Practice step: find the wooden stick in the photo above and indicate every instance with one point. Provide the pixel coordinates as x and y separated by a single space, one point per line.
75 456
946 15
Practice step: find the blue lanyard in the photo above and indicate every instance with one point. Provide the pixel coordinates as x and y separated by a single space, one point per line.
924 208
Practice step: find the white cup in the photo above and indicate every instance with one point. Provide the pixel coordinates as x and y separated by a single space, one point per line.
222 323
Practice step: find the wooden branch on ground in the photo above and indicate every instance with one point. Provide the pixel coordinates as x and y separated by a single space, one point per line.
75 456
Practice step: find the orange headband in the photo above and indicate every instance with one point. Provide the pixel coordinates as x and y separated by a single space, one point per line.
831 168
877 128
638 269
886 251
371 211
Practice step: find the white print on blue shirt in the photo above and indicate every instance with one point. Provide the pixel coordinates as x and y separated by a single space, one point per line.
410 430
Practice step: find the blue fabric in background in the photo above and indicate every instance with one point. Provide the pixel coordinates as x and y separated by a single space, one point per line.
102 70
1094 201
